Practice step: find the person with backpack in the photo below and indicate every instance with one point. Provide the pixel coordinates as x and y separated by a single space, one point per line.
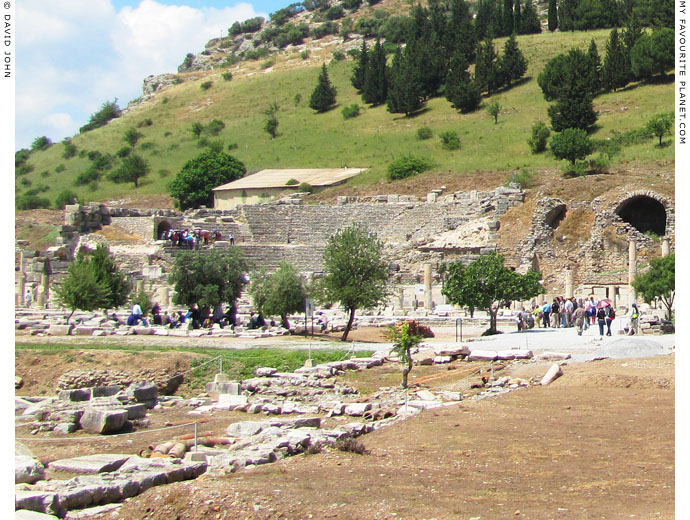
601 319
634 320
546 310
556 313
610 316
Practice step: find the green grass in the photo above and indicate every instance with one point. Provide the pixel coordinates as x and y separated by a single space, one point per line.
373 139
237 364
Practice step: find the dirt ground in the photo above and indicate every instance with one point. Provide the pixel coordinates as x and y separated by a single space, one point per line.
597 443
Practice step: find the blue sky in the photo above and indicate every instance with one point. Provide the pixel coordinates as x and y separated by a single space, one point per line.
73 55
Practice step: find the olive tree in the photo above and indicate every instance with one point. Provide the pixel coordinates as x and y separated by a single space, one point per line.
278 294
659 282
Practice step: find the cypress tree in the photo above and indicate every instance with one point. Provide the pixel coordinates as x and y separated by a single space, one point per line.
404 92
360 69
461 91
508 22
517 18
513 62
553 16
323 96
594 67
375 88
461 30
573 111
566 15
483 19
529 21
615 72
486 70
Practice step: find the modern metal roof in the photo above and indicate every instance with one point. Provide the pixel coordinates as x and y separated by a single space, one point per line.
317 177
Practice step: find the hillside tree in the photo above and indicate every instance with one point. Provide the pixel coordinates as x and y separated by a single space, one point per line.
133 168
360 69
356 272
615 71
375 88
553 15
285 293
487 71
653 54
461 91
193 185
486 283
404 90
529 20
106 269
660 125
323 97
513 63
81 289
571 144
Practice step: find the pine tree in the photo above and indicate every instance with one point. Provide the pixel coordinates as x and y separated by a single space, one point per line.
461 30
594 67
573 111
630 34
486 70
517 18
513 63
375 88
360 68
462 92
615 72
553 15
404 91
566 15
107 271
323 96
529 21
508 22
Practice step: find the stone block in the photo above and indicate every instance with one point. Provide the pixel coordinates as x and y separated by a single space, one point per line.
234 401
135 411
25 514
453 351
142 331
104 391
141 392
245 428
83 331
65 428
553 356
103 421
265 371
439 360
91 464
76 395
357 409
505 355
425 395
39 501
60 330
482 355
27 470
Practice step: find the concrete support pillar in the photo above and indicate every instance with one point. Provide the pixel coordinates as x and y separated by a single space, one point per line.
427 286
42 296
665 247
401 297
165 296
632 271
21 289
569 283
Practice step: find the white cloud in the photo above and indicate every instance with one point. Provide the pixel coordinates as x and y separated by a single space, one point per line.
77 54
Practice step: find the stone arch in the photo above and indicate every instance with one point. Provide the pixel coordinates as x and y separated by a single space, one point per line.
555 216
645 212
163 227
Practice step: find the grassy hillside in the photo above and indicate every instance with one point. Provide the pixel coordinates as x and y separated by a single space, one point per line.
327 140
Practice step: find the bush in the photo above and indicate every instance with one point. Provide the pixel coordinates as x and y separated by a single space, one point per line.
44 174
599 164
227 76
571 144
206 85
407 166
148 145
306 187
450 140
304 54
32 201
335 12
352 445
423 133
109 110
352 5
610 147
146 122
578 169
21 156
25 182
525 178
338 55
123 152
215 127
291 182
351 111
41 143
60 168
324 29
70 149
298 99
64 198
540 137
86 177
267 64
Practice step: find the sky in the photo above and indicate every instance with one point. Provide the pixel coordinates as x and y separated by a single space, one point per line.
74 55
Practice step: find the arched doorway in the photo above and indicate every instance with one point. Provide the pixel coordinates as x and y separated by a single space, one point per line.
644 213
163 227
555 216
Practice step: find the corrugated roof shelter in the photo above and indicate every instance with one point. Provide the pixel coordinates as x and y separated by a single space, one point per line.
266 184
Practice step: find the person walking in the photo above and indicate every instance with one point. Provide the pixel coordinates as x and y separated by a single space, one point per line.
28 297
569 308
580 317
601 320
610 315
546 310
556 313
634 320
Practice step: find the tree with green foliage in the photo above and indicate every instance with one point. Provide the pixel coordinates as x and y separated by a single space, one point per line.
486 283
193 185
573 111
571 144
81 289
356 272
660 125
461 91
133 168
529 21
487 70
108 272
271 123
360 69
594 67
615 71
540 136
653 54
375 89
280 293
404 340
494 108
66 197
553 15
508 18
565 74
513 63
517 18
323 97
567 14
404 89
208 278
460 32
41 143
70 149
108 111
132 136
196 129
658 282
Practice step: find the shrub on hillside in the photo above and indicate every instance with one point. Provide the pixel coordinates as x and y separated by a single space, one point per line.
306 187
351 111
424 133
41 143
109 110
32 201
526 178
215 127
450 140
338 55
227 76
407 166
60 168
540 137
206 85
64 198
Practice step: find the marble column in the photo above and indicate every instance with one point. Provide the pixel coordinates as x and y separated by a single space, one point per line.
665 247
569 283
632 271
21 288
427 286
